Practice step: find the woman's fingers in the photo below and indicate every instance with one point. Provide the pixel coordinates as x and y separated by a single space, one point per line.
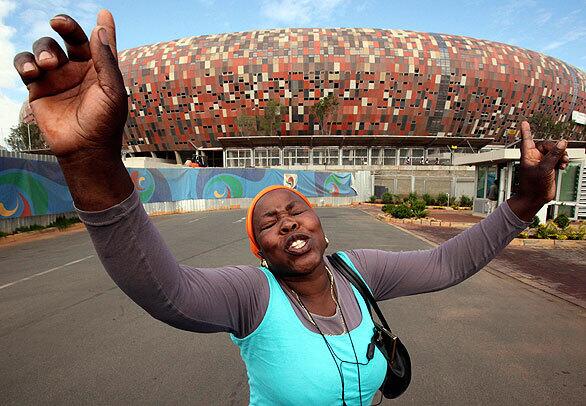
527 138
48 54
545 146
553 157
26 67
76 42
564 161
106 64
106 20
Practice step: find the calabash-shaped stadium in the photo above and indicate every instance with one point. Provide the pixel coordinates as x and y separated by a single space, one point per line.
391 84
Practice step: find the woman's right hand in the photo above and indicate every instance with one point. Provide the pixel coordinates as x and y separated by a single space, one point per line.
78 100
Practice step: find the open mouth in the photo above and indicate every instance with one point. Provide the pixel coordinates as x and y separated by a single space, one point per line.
297 244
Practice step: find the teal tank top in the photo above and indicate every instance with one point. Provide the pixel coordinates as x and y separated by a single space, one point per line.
288 364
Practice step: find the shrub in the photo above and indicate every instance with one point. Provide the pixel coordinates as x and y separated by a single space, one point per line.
372 199
387 198
442 199
411 197
548 230
411 209
62 223
465 201
418 206
33 227
562 221
535 223
576 233
400 211
430 201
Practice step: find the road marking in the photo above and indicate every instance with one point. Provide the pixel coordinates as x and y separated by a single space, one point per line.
45 272
239 221
194 220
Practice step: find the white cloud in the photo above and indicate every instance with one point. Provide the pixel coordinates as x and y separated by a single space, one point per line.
567 38
543 17
299 12
553 45
9 111
34 16
9 108
8 75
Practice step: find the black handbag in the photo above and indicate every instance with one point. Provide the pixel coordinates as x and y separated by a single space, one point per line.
398 374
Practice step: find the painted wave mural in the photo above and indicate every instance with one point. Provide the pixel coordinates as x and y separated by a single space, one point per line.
32 188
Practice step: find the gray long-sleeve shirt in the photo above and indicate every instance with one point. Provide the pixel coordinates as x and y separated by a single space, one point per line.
234 298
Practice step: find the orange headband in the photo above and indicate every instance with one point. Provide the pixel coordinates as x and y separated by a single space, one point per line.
253 245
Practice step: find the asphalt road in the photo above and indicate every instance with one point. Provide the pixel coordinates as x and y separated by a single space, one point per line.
69 336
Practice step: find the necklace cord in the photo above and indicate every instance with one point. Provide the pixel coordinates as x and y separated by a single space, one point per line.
345 329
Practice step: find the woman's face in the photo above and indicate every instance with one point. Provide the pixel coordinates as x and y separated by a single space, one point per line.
289 233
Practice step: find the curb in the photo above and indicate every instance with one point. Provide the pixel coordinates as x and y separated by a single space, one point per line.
29 235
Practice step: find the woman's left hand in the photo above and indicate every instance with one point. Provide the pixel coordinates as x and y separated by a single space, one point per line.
537 177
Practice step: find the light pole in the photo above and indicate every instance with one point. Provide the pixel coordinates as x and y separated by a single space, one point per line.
28 127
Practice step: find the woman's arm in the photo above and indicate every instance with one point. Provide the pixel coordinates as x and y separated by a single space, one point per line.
80 104
394 274
230 299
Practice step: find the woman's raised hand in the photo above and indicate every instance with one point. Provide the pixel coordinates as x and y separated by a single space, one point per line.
78 99
539 163
538 166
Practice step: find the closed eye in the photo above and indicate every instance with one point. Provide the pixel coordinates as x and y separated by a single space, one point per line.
268 225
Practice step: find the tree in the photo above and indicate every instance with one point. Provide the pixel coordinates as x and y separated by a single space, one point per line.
18 140
246 124
545 126
269 123
325 110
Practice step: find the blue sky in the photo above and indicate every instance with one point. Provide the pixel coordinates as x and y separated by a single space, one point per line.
556 28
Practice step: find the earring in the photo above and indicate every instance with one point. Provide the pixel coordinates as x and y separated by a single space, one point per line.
327 241
263 263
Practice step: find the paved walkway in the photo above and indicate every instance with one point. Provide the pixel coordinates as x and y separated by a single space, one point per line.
69 336
454 216
562 269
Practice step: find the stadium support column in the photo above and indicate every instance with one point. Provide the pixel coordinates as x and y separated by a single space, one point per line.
178 158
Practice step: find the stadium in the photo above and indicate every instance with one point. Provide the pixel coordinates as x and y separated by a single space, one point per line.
402 97
408 108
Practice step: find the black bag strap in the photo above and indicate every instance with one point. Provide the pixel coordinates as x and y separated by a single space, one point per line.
338 262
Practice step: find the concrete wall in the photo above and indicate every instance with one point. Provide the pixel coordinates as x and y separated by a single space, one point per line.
8 225
32 157
455 180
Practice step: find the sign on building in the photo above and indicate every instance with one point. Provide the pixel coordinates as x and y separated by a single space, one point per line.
578 117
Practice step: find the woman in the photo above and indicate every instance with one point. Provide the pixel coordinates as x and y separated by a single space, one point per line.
298 323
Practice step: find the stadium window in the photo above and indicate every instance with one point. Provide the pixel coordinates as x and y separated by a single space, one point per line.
354 156
404 156
418 153
383 156
238 158
325 156
296 156
267 157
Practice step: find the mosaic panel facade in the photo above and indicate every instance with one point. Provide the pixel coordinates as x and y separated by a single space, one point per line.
189 92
